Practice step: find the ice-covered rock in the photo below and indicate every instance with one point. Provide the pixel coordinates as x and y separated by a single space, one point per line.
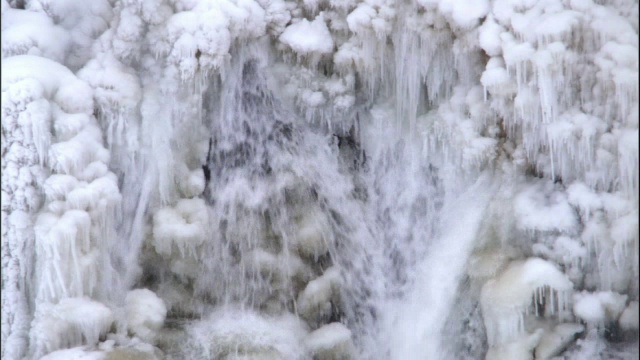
506 298
77 353
308 37
320 295
629 318
538 208
330 342
521 347
80 196
179 230
440 90
146 313
312 237
71 322
33 33
598 308
554 341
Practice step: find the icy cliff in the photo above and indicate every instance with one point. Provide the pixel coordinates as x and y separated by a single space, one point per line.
320 179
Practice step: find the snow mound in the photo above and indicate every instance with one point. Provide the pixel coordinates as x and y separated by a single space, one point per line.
306 37
81 199
56 81
599 307
489 37
177 231
113 84
331 341
538 208
80 196
33 33
83 23
200 38
145 314
464 13
71 322
77 353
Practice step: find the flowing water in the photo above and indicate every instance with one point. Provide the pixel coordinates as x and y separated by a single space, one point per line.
432 178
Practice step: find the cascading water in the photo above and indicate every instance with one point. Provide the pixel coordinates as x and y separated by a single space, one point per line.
282 213
270 179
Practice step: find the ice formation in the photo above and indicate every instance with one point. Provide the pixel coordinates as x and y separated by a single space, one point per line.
629 318
506 299
71 322
339 179
146 313
332 341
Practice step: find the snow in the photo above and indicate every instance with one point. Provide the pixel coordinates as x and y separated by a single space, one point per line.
307 37
360 18
555 341
583 198
67 239
537 211
57 186
598 308
67 138
381 111
77 353
516 53
112 82
51 76
146 313
489 37
32 33
495 75
69 125
465 13
71 322
554 25
182 226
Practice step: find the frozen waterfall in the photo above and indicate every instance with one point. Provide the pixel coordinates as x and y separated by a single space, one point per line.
320 179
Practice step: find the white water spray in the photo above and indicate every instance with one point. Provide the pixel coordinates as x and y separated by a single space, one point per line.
223 179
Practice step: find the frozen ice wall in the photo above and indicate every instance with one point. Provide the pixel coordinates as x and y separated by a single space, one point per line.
320 179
